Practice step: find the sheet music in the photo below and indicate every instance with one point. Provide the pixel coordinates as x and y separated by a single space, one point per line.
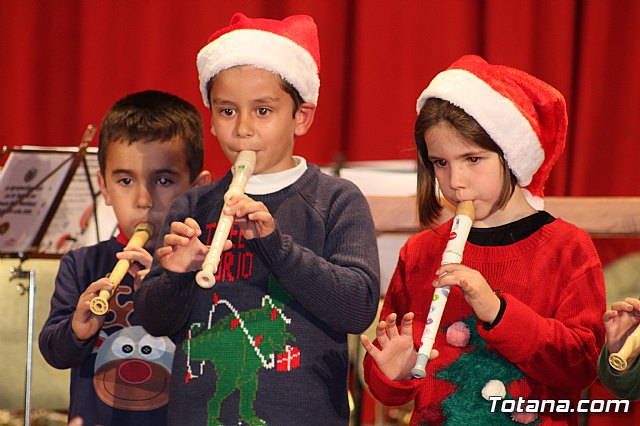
20 220
73 224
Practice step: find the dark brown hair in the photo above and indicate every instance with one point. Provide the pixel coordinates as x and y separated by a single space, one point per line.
436 111
151 116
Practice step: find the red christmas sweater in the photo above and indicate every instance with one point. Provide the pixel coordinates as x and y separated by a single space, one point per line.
545 347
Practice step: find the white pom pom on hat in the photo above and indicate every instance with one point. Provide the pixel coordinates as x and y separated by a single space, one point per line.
525 117
288 48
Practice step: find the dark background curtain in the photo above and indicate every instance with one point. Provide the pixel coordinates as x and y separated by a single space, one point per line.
63 63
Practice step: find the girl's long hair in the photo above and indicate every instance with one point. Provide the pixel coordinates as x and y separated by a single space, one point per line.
435 111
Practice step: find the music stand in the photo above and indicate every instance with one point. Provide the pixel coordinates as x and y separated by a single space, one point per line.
34 212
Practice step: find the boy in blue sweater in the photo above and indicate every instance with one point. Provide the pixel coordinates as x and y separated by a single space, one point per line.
150 151
268 343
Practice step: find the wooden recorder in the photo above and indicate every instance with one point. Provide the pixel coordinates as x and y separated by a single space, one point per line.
100 304
243 169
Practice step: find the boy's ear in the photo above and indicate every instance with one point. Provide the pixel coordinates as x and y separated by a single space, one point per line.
304 118
103 189
204 178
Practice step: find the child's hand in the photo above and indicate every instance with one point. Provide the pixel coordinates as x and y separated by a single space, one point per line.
139 276
136 254
397 356
475 288
182 250
253 217
76 421
84 324
141 256
619 322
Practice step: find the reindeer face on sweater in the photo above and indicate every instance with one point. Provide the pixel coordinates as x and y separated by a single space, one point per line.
132 370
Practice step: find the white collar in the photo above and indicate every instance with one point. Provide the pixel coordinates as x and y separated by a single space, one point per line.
273 182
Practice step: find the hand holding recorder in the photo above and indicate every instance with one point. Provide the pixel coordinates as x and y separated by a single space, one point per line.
622 328
99 305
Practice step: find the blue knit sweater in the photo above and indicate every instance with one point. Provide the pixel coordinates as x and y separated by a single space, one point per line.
268 343
120 376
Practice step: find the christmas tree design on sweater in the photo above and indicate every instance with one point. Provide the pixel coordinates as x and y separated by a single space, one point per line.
472 374
253 338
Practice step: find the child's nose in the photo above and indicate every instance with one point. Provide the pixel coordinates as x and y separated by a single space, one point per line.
244 125
457 178
145 197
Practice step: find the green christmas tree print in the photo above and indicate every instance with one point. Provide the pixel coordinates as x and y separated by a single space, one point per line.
470 373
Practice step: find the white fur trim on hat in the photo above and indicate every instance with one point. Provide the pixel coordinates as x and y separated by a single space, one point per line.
497 115
535 202
261 49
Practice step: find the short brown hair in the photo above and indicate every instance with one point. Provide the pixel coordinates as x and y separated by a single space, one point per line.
435 111
150 116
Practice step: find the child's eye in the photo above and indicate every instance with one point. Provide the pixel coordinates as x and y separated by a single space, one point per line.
163 181
439 163
228 112
473 160
125 181
262 111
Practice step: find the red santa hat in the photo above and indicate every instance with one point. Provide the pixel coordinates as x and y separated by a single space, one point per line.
525 117
288 48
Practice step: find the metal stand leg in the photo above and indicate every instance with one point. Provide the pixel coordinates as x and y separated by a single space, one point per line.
19 273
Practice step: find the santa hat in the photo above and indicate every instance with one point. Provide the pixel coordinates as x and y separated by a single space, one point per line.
288 48
525 117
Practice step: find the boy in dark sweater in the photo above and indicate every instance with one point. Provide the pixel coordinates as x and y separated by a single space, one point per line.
150 151
268 343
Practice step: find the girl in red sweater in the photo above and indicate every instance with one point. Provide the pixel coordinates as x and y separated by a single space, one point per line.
521 332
